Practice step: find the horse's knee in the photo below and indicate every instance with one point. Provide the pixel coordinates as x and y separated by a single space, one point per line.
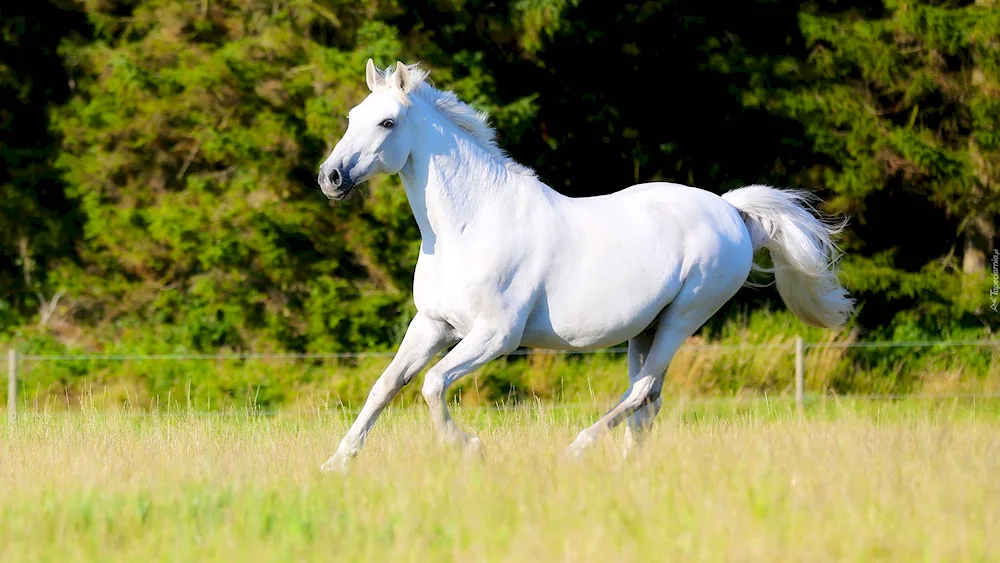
433 388
386 386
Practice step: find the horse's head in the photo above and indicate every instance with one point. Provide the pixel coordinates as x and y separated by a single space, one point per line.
377 140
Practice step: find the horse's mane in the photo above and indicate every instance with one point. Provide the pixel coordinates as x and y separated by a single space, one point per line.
465 117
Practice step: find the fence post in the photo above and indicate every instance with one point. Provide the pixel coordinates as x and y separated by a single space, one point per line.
800 374
11 385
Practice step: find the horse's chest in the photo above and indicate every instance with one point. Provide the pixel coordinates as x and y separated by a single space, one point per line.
457 290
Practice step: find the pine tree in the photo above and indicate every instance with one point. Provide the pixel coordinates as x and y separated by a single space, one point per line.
192 145
907 108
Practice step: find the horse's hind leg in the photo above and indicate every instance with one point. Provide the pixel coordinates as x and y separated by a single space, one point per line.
639 424
697 301
642 419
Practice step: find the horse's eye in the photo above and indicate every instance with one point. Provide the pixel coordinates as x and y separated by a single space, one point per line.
387 123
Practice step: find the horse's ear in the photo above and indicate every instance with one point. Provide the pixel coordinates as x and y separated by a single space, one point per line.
372 76
401 78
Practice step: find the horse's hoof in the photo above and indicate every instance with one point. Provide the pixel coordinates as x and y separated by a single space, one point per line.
473 447
575 450
573 453
629 445
336 464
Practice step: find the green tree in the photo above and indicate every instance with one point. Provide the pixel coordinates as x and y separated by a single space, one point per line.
906 109
191 145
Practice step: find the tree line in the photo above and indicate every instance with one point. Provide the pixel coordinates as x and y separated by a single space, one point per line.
160 155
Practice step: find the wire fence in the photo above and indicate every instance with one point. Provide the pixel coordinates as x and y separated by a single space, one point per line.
518 352
799 346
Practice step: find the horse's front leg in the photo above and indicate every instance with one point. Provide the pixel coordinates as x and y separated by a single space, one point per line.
424 338
484 343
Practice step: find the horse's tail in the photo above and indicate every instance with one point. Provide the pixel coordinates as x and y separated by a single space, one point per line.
803 253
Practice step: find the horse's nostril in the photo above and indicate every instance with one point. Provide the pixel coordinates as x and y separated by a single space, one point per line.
335 177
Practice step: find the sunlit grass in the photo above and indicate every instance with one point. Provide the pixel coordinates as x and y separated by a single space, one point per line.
716 482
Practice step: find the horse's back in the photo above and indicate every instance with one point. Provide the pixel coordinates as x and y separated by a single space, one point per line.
686 205
667 213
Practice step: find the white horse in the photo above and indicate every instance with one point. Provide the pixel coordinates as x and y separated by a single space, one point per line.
506 261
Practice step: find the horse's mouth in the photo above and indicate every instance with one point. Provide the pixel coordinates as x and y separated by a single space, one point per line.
336 194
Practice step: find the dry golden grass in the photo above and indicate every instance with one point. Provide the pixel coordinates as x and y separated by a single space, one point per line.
852 482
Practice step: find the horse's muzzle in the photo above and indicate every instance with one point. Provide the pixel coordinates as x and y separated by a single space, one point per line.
335 185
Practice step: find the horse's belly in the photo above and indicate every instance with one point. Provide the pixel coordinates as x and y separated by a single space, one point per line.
596 317
537 335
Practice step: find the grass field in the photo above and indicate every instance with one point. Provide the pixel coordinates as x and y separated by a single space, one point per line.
901 481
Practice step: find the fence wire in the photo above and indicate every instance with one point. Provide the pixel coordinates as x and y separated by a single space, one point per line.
518 352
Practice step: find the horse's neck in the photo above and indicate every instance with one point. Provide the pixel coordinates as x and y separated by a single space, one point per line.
452 183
